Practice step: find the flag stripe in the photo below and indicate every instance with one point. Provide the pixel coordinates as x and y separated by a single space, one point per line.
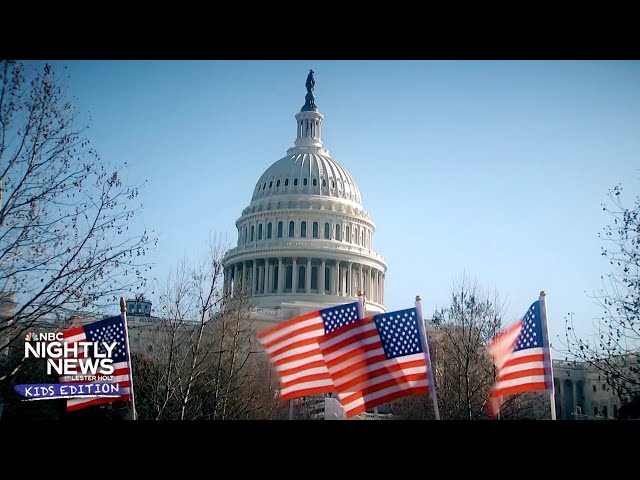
293 350
364 404
361 376
519 355
374 360
107 330
308 332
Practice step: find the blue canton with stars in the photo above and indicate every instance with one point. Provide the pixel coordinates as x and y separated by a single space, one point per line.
336 317
399 332
108 330
531 334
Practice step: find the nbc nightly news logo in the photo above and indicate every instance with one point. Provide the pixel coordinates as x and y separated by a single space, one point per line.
75 363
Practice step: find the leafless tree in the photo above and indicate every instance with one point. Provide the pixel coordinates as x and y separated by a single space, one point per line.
464 372
65 215
615 349
207 364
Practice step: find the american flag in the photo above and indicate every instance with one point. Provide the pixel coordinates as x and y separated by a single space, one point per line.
376 360
109 330
520 354
292 347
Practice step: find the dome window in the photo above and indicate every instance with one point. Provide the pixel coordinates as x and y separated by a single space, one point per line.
305 182
271 184
260 232
333 184
264 187
324 182
315 230
278 183
315 182
338 232
295 182
269 230
303 229
279 229
291 228
327 229
286 182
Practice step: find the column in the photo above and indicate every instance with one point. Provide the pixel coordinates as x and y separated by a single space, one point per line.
236 276
377 287
265 283
382 290
270 272
322 279
308 272
225 282
294 276
245 269
343 280
361 280
254 277
350 280
281 274
260 278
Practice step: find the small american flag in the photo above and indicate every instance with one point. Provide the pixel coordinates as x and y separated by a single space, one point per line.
520 354
109 330
292 347
376 360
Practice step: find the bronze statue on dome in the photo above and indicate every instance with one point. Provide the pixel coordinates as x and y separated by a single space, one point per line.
311 81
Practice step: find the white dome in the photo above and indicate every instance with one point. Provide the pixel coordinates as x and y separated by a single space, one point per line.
309 173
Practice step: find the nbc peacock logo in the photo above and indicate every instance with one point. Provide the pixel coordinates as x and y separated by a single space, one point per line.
31 337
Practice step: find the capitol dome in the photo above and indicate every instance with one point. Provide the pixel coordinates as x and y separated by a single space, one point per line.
305 240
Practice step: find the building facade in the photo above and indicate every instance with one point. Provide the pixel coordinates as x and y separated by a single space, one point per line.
305 241
583 393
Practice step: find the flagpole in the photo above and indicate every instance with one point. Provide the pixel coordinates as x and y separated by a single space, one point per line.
430 376
548 371
123 311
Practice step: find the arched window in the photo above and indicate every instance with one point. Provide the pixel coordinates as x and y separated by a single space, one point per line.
260 232
303 229
324 182
278 183
301 277
245 234
315 182
279 229
347 236
291 228
286 182
315 230
355 234
314 278
327 229
305 181
295 182
333 184
253 229
269 230
264 187
288 279
337 231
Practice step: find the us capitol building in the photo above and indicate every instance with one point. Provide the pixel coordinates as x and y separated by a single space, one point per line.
305 241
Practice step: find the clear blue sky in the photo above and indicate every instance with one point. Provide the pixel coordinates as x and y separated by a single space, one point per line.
493 168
